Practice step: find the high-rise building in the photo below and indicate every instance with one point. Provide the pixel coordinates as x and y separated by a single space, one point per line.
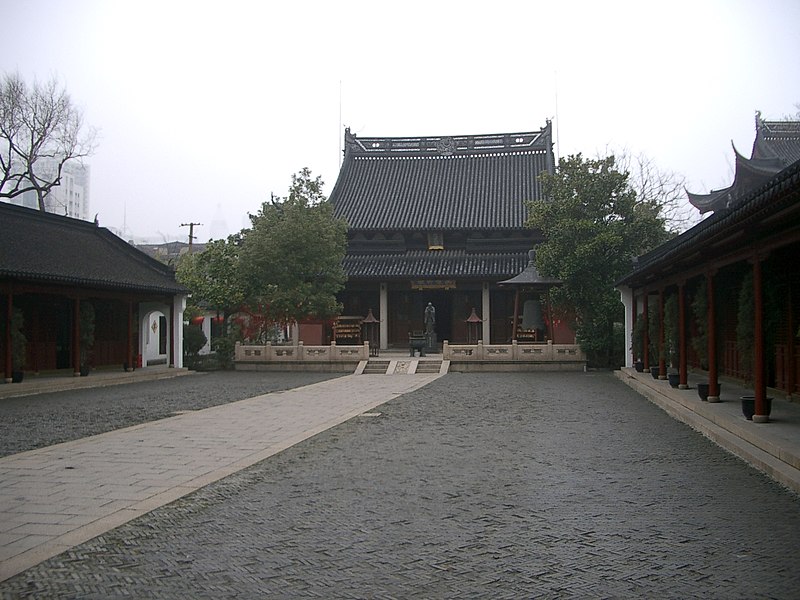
69 198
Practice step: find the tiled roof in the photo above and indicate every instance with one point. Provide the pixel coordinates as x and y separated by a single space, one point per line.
441 183
729 230
43 247
435 264
776 146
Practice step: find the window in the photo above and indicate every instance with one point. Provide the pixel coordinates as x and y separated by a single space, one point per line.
436 241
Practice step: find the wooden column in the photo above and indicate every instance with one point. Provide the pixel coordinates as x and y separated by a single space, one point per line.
646 329
76 337
682 373
711 329
791 365
759 376
516 315
662 359
129 349
9 366
634 316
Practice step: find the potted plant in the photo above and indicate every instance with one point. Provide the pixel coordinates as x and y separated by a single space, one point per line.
19 346
653 333
87 335
637 342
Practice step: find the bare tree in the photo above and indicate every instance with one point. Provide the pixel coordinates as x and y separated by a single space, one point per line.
40 130
663 190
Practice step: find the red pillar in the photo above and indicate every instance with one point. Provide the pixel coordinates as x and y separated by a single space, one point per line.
646 341
129 352
634 316
791 364
76 337
9 366
711 329
516 316
759 376
683 375
662 359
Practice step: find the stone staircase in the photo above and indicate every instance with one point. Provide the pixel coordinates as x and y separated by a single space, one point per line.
402 366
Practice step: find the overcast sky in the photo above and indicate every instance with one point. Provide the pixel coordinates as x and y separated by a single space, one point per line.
205 108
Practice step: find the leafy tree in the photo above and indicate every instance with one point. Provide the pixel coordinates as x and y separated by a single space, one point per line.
291 257
213 275
40 130
594 224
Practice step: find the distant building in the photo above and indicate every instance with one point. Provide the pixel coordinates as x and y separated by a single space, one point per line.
70 198
169 252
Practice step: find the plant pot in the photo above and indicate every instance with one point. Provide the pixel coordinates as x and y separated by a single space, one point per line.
639 366
17 376
674 379
749 406
84 370
654 371
702 390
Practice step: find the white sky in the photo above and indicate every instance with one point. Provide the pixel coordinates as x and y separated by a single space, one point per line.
207 107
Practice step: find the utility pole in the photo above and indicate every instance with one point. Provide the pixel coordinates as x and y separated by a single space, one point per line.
191 233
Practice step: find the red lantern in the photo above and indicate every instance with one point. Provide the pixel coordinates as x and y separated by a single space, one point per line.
198 320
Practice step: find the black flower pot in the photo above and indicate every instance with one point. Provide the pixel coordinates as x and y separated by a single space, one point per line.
84 370
674 379
17 376
639 366
654 371
749 406
702 390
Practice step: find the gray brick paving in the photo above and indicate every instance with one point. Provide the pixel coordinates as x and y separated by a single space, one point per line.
478 485
30 422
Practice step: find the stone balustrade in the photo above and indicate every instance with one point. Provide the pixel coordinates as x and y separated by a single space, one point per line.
514 352
250 355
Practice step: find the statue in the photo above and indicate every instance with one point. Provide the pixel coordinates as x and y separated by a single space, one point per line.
430 318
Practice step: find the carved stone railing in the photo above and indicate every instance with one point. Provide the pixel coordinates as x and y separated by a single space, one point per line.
548 352
300 353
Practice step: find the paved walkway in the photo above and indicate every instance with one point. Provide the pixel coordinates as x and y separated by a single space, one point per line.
495 485
56 497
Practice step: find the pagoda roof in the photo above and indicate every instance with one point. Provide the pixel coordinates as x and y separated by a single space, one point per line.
772 209
427 264
776 146
43 247
441 183
530 277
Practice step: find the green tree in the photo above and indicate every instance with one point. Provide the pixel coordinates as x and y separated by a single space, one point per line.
594 224
291 257
213 275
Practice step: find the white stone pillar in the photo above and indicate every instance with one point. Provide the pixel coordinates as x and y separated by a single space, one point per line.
178 306
384 319
486 315
626 297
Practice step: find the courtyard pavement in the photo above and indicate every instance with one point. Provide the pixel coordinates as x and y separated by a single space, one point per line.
546 485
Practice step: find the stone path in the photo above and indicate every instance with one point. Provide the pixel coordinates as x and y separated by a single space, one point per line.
59 496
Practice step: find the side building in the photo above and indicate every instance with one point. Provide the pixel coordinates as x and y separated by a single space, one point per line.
84 298
440 220
733 280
